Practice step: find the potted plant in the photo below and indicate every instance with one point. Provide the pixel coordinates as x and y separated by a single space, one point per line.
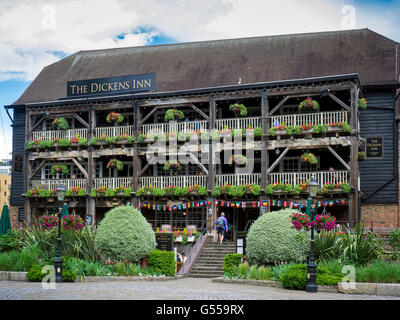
239 160
306 127
61 169
252 189
238 109
309 105
197 190
60 123
173 114
173 164
114 163
278 187
114 117
123 191
308 157
362 103
76 192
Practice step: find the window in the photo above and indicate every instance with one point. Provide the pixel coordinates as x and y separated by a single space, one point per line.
293 164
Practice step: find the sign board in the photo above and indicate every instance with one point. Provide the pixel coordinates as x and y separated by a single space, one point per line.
89 220
374 147
165 241
123 84
239 246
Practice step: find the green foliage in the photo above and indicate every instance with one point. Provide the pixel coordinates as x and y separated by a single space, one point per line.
379 271
20 260
263 273
236 191
231 260
271 188
173 114
346 127
271 239
141 137
62 169
258 132
357 248
296 277
93 141
60 123
11 241
162 261
326 245
69 276
272 132
394 242
86 268
244 270
63 143
35 274
293 131
320 128
124 234
253 272
238 108
46 144
279 270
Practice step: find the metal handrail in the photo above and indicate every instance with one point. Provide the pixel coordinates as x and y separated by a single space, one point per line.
187 265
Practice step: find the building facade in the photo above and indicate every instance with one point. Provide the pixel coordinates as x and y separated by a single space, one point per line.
213 126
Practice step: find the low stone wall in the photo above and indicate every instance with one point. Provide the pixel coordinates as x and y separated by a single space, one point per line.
378 289
13 276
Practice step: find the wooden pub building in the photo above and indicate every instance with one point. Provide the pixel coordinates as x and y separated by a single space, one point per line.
254 117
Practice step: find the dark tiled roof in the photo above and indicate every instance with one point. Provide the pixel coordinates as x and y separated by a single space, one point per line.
222 62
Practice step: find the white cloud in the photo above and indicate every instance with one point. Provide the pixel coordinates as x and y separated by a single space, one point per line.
32 31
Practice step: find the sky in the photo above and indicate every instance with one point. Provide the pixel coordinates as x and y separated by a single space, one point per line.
37 33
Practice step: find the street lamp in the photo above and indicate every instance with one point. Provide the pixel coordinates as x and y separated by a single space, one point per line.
311 285
58 260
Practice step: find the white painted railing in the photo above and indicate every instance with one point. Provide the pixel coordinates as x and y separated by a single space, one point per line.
322 177
113 131
51 184
161 128
238 179
62 134
314 118
238 123
179 181
113 183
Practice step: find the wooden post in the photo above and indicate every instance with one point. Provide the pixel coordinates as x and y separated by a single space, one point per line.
91 202
27 169
212 168
135 157
353 200
264 152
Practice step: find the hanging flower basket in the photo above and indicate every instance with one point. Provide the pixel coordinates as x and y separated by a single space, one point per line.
309 105
62 169
114 163
173 114
114 117
239 160
172 165
362 103
60 124
308 158
239 109
361 156
321 222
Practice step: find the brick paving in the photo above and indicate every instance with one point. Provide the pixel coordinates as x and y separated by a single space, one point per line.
179 289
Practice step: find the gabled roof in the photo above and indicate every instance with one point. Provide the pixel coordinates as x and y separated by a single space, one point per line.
222 62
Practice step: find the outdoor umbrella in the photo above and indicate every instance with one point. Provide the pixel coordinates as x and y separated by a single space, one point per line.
5 224
64 210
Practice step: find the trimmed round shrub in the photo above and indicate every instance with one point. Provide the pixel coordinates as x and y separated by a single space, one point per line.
35 274
272 239
163 262
231 261
124 234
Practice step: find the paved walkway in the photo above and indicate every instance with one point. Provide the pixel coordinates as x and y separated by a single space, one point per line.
180 289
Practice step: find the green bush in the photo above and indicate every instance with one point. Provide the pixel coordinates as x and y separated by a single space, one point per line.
124 234
69 276
20 260
231 260
271 239
326 245
296 277
11 241
162 261
35 274
379 271
86 268
263 273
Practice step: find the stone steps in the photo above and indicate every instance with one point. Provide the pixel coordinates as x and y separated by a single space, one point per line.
210 262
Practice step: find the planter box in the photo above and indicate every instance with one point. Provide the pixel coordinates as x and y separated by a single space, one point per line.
178 239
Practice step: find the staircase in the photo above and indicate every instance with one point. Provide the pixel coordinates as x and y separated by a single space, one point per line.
210 262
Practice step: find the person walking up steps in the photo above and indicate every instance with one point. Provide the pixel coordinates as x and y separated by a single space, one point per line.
221 225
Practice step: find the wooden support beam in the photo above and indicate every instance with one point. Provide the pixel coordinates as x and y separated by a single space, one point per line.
339 158
37 124
283 101
345 106
202 167
278 160
149 115
37 169
148 164
264 151
79 118
199 111
80 167
211 165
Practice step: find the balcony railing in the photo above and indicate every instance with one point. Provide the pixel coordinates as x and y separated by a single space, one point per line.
51 184
113 183
322 177
162 128
179 181
113 131
238 123
314 118
238 179
62 134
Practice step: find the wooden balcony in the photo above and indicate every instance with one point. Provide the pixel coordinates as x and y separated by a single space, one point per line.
322 177
113 183
113 131
62 134
238 179
162 128
304 118
50 184
179 181
238 123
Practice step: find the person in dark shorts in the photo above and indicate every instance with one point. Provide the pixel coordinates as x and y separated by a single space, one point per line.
221 225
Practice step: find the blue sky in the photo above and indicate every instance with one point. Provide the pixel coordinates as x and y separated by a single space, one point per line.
44 36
